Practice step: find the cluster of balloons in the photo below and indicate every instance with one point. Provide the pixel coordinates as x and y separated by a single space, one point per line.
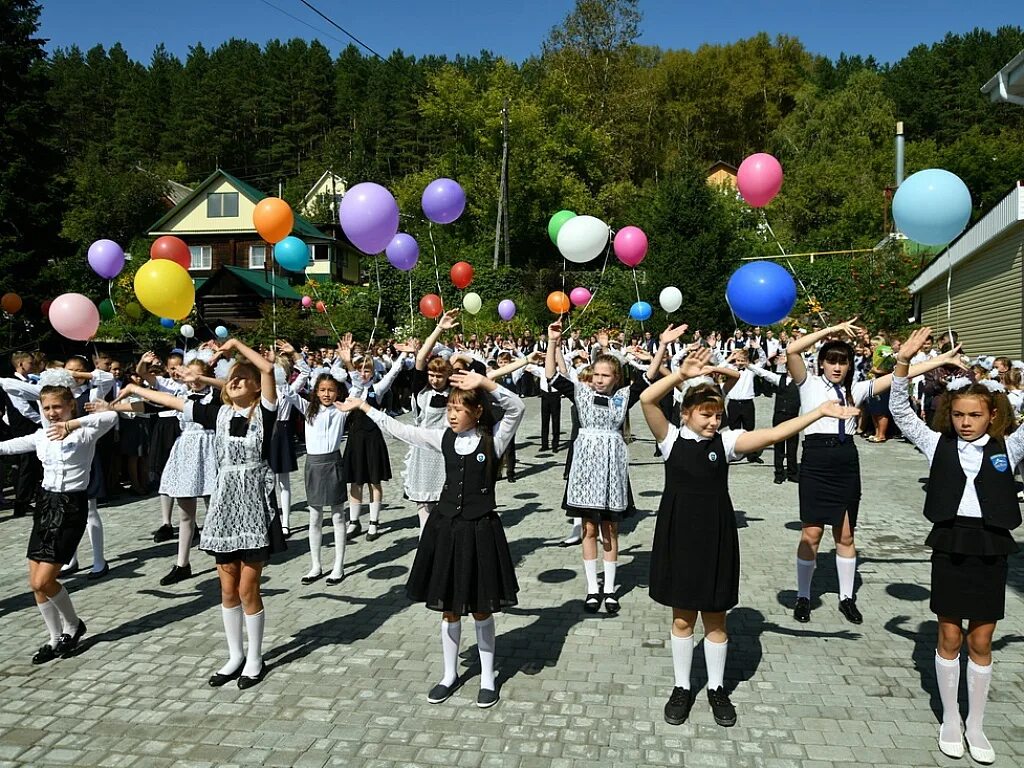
761 293
759 179
583 238
932 206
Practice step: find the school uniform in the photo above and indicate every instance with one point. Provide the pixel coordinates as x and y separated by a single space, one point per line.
366 457
164 427
787 406
23 419
191 469
550 408
424 468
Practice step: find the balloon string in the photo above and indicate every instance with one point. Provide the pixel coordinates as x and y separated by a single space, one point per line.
273 291
637 287
764 220
113 308
600 280
376 269
312 284
949 300
411 320
437 274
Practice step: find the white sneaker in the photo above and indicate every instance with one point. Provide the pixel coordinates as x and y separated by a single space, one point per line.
952 748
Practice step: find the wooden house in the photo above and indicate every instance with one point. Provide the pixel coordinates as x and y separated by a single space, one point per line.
721 174
338 261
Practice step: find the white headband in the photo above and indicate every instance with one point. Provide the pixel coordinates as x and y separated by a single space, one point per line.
57 377
962 382
696 381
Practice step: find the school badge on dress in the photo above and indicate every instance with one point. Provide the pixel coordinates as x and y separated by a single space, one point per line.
712 456
480 458
1000 462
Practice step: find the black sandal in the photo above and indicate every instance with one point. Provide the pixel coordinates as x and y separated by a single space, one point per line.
611 604
592 602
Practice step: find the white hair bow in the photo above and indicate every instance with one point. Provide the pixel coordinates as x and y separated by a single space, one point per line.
696 381
57 377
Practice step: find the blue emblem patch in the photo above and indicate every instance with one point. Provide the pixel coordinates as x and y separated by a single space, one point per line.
1000 462
480 458
617 400
712 456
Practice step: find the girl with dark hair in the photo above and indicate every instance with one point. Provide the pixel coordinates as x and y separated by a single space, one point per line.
830 467
972 503
463 564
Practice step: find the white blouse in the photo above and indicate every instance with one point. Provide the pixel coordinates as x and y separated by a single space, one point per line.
816 390
683 432
66 463
325 433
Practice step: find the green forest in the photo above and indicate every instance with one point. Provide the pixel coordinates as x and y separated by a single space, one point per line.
599 124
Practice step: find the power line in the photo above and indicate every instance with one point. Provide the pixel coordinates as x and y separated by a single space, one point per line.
303 23
338 26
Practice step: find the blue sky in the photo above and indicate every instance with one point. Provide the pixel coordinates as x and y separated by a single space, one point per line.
514 29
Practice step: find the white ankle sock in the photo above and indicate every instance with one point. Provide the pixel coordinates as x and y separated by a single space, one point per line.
610 567
485 645
714 658
254 653
374 513
233 632
68 616
979 679
338 519
186 525
804 574
451 634
846 567
316 539
51 617
94 527
947 675
284 496
682 660
166 502
353 511
590 571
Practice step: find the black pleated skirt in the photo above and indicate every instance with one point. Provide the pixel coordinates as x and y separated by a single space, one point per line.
366 453
275 543
162 434
463 566
829 480
57 526
969 567
282 448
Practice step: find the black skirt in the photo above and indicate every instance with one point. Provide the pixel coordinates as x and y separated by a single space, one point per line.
163 431
276 543
366 452
969 567
57 526
463 566
283 458
601 515
134 437
829 480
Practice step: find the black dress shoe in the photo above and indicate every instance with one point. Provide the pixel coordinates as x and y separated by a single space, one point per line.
721 707
333 582
94 575
755 460
677 709
848 608
611 604
163 533
177 573
307 580
372 533
217 679
543 448
352 530
44 654
66 644
802 610
779 480
245 681
592 602
511 477
572 541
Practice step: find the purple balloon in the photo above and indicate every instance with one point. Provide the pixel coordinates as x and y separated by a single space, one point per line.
106 259
369 217
506 309
403 251
443 201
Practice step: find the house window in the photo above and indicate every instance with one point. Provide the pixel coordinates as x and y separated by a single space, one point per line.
321 252
202 256
221 205
257 256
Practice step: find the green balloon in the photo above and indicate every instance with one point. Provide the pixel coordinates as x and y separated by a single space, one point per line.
133 310
106 309
556 223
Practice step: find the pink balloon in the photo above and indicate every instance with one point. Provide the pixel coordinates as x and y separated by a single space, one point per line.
759 179
579 296
307 302
630 245
74 316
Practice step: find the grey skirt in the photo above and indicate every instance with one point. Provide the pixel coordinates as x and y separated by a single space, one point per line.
325 479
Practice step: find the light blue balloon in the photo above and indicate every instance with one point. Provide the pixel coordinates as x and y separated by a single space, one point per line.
641 311
221 331
292 254
166 322
932 207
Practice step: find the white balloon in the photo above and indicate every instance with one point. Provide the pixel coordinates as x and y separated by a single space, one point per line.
188 331
582 239
472 302
671 299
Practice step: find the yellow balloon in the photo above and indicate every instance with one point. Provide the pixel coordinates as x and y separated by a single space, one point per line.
165 288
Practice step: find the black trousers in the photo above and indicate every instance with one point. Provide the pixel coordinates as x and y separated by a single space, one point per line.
27 479
510 459
785 450
550 418
740 415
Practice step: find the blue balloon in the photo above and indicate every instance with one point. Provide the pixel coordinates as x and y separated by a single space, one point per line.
641 310
221 331
761 292
292 254
932 207
166 322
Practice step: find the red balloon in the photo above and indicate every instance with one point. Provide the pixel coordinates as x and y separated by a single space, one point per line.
321 307
172 248
46 307
430 305
462 275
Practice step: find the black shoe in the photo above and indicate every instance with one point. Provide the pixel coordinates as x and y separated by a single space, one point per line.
353 530
94 575
794 478
677 709
721 707
511 477
372 533
333 582
248 682
44 654
217 679
196 530
66 644
755 460
592 602
67 570
307 580
848 608
555 447
163 533
802 610
779 480
543 448
487 697
572 541
611 604
177 573
441 692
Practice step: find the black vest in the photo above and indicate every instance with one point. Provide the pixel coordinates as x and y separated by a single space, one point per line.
787 396
997 491
468 490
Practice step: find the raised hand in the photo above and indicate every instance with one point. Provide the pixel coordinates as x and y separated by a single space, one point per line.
555 332
602 339
126 390
349 405
952 357
695 364
406 347
284 347
672 333
848 328
449 319
467 380
97 406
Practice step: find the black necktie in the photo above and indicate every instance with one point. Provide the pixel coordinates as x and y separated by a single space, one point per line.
842 422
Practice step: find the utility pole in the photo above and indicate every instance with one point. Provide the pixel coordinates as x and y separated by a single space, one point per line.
503 206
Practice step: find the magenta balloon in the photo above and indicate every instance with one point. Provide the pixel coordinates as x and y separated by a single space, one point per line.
759 179
630 245
579 296
106 259
403 251
506 309
74 316
443 201
368 215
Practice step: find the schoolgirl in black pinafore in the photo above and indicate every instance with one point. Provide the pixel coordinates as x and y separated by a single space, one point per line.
366 453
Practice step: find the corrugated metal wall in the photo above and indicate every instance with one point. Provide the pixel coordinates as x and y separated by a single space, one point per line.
986 298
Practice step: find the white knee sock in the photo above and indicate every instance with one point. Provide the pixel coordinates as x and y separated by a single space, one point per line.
947 675
451 634
374 514
423 511
590 572
254 653
316 539
714 657
610 567
186 525
682 660
353 511
51 617
804 574
71 566
68 616
979 679
284 497
94 526
166 502
338 519
577 528
233 632
846 567
485 645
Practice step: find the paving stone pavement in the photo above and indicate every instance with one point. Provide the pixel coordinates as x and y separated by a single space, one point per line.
351 664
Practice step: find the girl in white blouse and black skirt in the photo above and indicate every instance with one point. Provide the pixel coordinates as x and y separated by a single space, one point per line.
972 502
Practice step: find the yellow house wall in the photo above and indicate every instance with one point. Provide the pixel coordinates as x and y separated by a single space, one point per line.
193 219
720 177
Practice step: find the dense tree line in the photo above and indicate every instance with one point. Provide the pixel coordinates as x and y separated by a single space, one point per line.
599 124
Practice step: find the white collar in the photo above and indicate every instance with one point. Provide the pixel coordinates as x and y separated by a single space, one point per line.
980 443
688 434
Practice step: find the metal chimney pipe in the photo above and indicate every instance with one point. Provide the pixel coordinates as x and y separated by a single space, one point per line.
899 153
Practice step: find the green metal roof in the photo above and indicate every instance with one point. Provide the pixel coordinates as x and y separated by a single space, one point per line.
265 285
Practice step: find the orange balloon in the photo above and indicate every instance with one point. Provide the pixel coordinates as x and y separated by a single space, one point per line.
320 307
430 305
558 302
273 219
11 303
